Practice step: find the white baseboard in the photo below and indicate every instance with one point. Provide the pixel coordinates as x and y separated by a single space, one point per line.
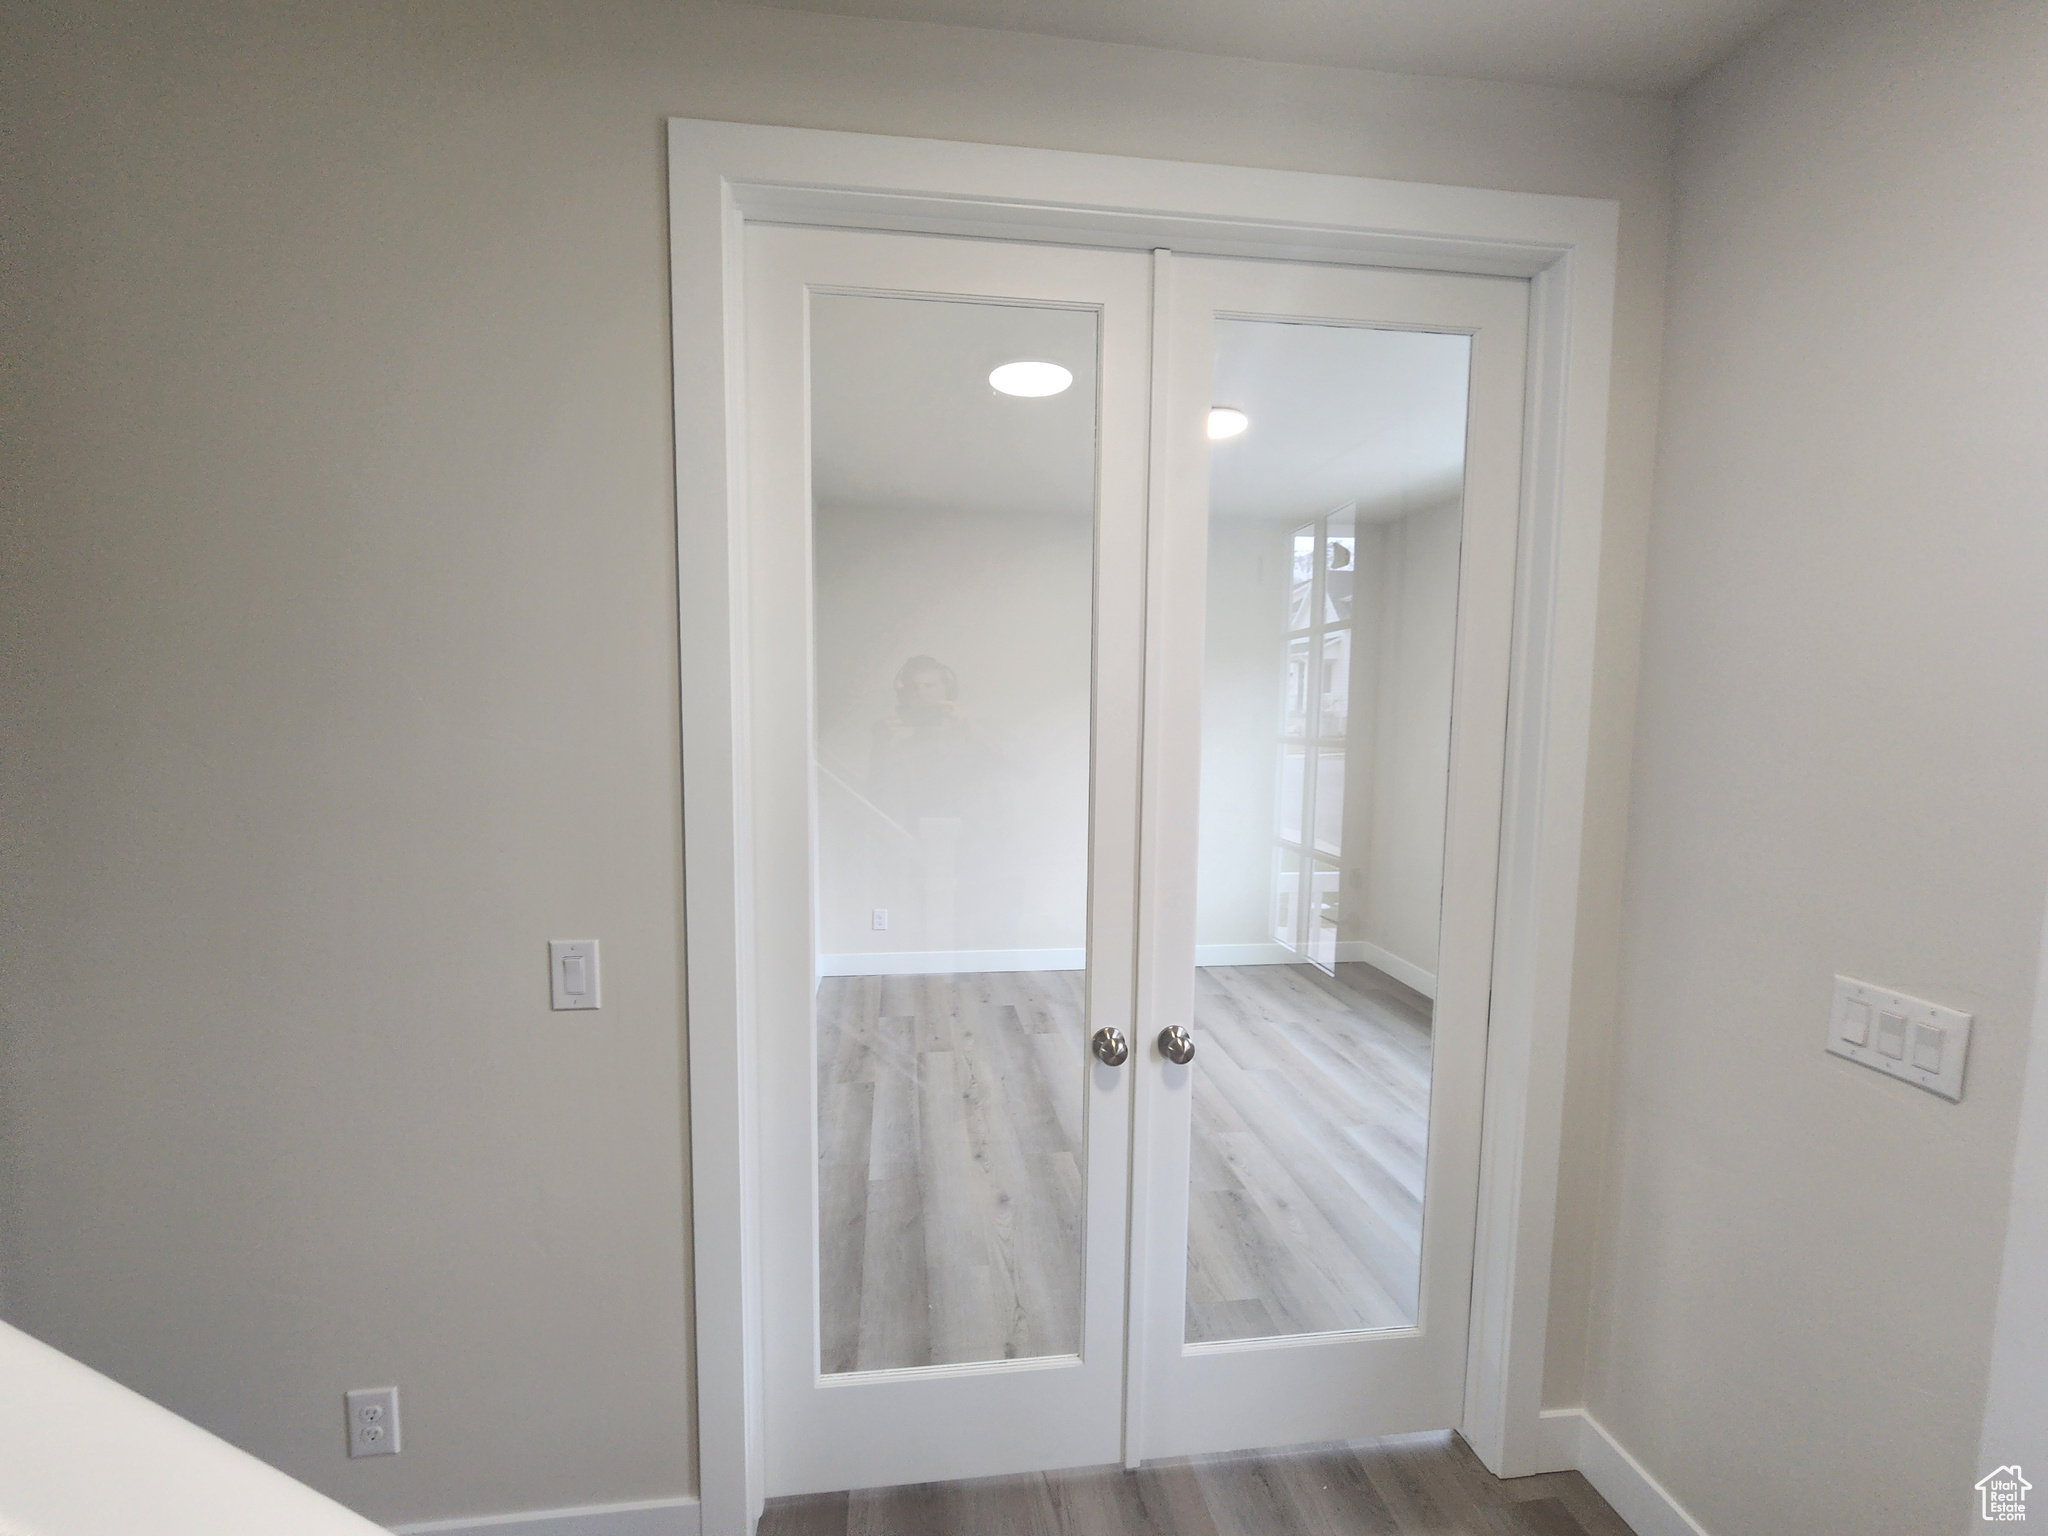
1576 1439
651 1517
956 962
1347 950
1558 1435
1245 954
1403 971
950 962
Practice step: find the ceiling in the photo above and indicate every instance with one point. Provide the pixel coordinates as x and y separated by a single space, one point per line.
1339 414
903 418
1644 47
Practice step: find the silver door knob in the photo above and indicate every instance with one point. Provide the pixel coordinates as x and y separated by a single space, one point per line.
1111 1048
1176 1045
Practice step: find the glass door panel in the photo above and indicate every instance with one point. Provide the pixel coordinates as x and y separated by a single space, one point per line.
1311 1095
952 568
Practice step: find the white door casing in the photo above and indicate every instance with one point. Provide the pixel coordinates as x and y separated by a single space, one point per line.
724 176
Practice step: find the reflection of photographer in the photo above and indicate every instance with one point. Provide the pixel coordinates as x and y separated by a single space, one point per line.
930 758
927 692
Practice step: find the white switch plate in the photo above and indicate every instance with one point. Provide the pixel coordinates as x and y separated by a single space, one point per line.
373 1421
572 966
1898 1035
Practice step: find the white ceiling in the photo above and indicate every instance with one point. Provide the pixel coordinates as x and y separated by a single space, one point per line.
1339 414
1653 47
902 415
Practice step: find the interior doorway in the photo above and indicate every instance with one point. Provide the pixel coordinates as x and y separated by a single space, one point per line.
991 680
727 180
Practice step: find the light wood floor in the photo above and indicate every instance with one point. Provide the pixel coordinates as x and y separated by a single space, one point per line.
1411 1485
949 1168
1311 1113
950 1147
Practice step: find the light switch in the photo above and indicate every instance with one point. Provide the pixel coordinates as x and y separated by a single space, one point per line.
1891 1035
1855 1026
574 979
1909 1038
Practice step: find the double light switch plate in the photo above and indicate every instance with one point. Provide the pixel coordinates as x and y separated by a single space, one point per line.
1920 1042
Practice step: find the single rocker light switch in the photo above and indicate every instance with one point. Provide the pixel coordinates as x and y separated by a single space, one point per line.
1855 1026
1891 1035
573 963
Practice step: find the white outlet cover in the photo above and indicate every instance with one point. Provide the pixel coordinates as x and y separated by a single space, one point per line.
1855 1031
372 1421
572 970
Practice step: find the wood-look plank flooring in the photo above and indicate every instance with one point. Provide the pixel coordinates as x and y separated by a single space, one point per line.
950 1152
1311 1118
1408 1485
949 1170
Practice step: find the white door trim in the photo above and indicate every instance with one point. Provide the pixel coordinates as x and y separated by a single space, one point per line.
723 174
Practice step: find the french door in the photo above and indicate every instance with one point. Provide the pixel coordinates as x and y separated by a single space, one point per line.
1126 659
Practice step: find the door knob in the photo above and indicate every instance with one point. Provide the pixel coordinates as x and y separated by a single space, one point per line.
1176 1045
1111 1048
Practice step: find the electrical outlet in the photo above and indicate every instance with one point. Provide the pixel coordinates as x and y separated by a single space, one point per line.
881 919
373 1421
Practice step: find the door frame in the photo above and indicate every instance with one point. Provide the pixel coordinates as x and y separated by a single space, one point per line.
722 175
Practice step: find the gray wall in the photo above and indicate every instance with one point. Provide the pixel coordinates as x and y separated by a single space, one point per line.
338 673
1839 767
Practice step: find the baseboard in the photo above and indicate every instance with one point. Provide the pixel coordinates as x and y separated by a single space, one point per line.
950 962
1573 1437
1245 954
1555 1448
1403 971
1347 949
956 962
651 1517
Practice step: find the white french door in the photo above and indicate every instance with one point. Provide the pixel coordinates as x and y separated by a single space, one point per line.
1082 740
1329 627
945 671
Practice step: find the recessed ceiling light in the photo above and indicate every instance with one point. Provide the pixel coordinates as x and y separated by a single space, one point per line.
1033 381
1226 422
